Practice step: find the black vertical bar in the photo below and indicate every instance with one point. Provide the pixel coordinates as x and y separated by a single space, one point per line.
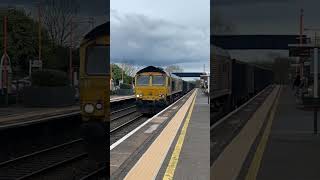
208 97
315 125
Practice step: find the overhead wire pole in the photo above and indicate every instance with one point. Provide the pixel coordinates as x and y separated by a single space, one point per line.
70 58
39 31
301 41
5 63
111 75
122 72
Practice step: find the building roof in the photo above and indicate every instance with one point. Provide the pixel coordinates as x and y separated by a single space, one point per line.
156 69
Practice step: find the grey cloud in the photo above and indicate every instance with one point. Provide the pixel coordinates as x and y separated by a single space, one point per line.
144 41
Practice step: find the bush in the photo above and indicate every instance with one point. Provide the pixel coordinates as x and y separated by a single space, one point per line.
49 78
125 86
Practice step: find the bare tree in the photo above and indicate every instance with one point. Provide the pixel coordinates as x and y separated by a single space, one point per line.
57 17
174 68
128 69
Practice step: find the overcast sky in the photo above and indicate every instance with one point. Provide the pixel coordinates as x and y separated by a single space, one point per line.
267 17
161 33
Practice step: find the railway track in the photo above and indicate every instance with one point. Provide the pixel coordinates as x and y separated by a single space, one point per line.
126 123
123 118
121 126
64 161
123 112
50 163
30 165
96 174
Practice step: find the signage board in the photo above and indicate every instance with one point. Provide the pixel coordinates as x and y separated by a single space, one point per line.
34 64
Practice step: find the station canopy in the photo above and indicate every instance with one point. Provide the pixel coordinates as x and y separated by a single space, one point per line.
189 74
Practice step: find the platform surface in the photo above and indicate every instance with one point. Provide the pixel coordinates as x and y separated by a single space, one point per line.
292 151
127 151
182 150
17 113
229 162
194 159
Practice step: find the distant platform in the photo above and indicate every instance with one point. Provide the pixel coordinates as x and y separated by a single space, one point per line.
18 115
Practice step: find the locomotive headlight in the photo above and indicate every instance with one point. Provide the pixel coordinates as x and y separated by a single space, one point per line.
99 106
139 95
88 108
161 95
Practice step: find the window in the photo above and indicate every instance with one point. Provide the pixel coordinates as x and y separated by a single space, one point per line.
98 60
143 80
173 85
158 80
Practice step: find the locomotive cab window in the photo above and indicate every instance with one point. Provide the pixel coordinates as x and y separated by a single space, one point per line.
173 85
158 80
143 80
97 60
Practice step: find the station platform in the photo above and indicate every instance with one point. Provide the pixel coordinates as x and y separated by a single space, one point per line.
292 151
281 144
17 115
179 150
194 159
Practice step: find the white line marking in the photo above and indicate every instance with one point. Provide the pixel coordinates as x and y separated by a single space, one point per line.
236 110
121 98
152 128
146 122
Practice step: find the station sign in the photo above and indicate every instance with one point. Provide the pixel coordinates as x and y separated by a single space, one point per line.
34 64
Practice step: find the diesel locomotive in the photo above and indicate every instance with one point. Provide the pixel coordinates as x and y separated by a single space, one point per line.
94 90
155 89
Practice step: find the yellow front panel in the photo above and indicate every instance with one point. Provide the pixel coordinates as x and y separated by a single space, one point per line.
94 89
151 92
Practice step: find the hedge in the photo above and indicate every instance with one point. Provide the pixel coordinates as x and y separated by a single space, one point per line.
125 86
49 78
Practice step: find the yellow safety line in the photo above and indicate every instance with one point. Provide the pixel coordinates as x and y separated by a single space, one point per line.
255 164
147 167
176 152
